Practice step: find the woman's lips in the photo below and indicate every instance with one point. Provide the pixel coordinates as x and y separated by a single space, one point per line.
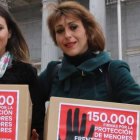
70 44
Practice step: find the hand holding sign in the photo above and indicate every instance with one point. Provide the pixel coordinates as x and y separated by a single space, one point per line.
35 135
73 130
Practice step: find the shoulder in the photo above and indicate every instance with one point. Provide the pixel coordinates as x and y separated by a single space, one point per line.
26 69
115 65
51 65
119 72
118 62
22 65
123 84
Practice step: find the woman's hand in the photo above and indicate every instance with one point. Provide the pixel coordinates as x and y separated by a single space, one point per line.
35 135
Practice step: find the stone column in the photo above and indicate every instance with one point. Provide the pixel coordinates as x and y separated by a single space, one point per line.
98 8
49 50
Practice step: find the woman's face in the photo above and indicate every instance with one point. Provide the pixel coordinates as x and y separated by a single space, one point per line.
71 36
4 35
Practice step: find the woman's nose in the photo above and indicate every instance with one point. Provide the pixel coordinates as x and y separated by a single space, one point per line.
67 33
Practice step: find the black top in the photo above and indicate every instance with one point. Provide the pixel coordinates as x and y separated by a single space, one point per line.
77 60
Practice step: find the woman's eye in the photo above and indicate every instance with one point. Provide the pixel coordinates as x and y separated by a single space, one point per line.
59 31
1 28
73 27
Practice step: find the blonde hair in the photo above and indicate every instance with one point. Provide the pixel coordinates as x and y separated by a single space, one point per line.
96 40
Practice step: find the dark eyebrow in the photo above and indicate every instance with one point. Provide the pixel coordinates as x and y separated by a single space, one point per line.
73 21
58 25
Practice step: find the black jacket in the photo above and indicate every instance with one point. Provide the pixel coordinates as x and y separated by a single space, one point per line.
24 73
